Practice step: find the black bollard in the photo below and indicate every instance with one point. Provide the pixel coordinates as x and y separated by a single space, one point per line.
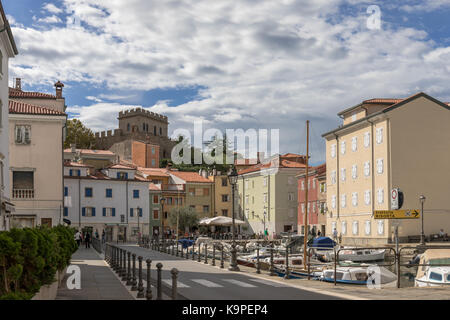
159 282
174 273
193 253
199 253
141 283
258 266
206 253
148 295
286 274
129 269
124 276
187 253
134 282
119 270
214 255
177 251
221 258
271 269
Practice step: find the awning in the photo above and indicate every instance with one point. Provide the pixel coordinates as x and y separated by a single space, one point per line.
8 206
220 221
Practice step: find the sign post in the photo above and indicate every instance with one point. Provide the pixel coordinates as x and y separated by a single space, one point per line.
397 214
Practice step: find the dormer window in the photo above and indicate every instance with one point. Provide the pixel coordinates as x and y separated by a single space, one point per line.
122 175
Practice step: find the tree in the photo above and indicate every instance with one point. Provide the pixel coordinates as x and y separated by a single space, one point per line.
187 218
79 135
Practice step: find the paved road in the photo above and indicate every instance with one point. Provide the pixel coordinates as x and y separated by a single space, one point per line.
198 281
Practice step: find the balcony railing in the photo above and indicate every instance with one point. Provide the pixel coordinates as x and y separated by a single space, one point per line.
23 193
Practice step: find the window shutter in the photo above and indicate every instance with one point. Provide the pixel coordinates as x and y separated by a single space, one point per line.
131 212
65 191
104 212
71 172
84 212
140 212
126 176
66 211
93 212
113 212
118 175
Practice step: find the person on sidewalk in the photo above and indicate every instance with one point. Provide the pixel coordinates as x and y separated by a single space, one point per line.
103 236
78 238
87 240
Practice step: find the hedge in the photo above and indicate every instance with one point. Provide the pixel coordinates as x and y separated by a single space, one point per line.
30 258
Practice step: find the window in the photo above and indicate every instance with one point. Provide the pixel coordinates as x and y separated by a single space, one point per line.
314 207
135 194
380 166
246 199
322 187
367 197
155 214
109 193
131 212
128 127
153 162
169 200
66 211
354 117
344 227
303 208
160 131
265 197
191 191
368 228
343 201
246 184
122 175
314 183
333 202
88 212
154 130
23 134
343 147
140 212
290 196
88 192
379 135
343 174
303 184
224 198
435 276
224 212
265 181
333 177
355 229
333 150
78 173
354 144
153 150
354 171
224 182
23 184
205 209
380 193
367 139
109 212
309 184
380 227
66 191
205 192
367 168
155 199
355 199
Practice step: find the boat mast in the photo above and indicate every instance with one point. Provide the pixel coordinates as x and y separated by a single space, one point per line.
305 240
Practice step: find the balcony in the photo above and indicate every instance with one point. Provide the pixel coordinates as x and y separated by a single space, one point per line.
23 194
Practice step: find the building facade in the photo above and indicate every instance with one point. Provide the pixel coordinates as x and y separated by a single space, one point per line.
8 50
139 153
36 128
316 200
114 200
222 201
384 144
268 196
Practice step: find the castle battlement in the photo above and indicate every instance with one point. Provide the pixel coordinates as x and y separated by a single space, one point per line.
108 133
142 112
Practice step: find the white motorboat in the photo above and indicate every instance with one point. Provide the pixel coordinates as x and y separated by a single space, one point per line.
433 276
353 254
361 275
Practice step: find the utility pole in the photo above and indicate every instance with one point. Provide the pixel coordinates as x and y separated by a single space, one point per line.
305 240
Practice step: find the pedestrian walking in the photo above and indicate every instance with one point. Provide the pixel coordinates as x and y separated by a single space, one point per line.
103 236
78 238
87 240
335 235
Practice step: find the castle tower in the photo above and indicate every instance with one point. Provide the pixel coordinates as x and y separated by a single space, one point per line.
141 121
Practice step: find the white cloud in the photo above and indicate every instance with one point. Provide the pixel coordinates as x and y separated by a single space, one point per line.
424 5
50 7
50 19
270 65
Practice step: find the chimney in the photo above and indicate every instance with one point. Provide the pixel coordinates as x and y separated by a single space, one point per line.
59 85
19 84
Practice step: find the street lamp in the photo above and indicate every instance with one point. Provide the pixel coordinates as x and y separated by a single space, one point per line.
233 177
422 236
162 200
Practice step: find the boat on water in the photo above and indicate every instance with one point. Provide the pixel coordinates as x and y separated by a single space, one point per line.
353 254
360 275
433 275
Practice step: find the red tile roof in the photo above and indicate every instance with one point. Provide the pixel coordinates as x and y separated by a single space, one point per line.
17 107
88 151
190 176
284 162
156 172
121 166
76 164
16 93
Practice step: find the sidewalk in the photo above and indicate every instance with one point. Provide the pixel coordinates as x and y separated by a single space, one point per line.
98 282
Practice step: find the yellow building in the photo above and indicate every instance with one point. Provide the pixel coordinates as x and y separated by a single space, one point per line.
222 203
385 144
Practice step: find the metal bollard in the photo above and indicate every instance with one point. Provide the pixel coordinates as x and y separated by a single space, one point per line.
286 274
258 266
129 269
159 282
124 276
113 261
214 255
148 294
221 258
271 269
206 253
134 282
173 250
119 269
174 273
177 252
187 253
199 253
193 253
141 283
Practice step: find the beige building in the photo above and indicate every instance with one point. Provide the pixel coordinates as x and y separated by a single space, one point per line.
222 203
384 144
36 124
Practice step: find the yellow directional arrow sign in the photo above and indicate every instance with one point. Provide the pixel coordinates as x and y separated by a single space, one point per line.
397 214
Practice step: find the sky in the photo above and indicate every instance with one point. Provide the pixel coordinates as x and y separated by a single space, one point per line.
249 64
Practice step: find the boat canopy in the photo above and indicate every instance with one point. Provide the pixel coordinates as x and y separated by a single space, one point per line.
220 221
322 242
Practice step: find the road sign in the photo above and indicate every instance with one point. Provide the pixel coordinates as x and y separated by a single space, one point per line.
394 199
397 214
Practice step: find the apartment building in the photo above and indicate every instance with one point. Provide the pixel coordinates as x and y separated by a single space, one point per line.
222 201
384 144
114 200
8 50
316 200
268 196
36 129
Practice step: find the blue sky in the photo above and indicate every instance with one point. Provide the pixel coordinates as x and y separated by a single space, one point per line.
231 64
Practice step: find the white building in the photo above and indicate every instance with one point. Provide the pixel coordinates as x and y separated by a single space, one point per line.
8 50
113 199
